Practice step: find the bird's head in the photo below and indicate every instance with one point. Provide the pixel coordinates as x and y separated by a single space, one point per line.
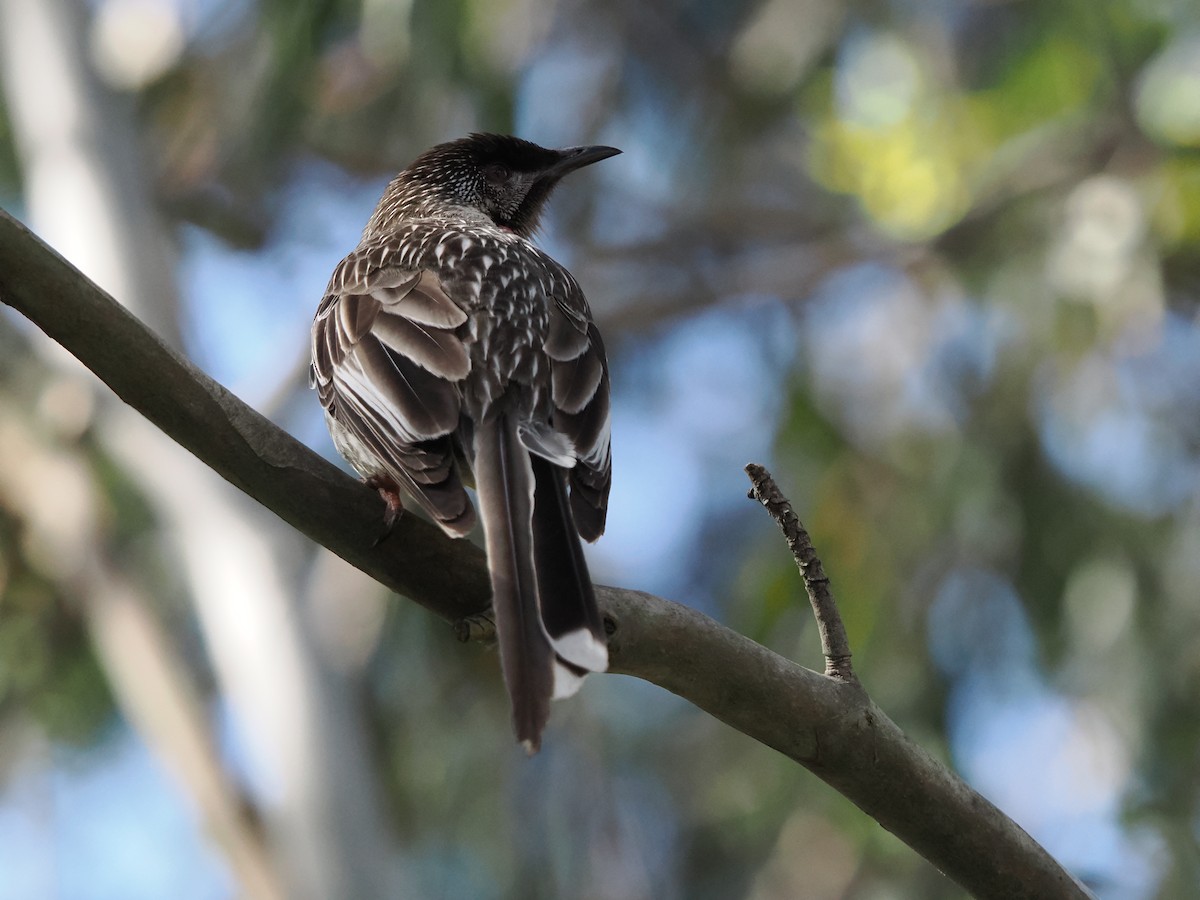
505 178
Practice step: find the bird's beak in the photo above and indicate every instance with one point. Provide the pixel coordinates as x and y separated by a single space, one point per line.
572 158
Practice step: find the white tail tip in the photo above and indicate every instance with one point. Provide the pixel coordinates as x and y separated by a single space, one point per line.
581 648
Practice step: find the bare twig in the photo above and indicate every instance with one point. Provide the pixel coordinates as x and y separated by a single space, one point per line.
834 643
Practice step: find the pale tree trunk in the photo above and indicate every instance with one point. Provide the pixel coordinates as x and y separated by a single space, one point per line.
326 834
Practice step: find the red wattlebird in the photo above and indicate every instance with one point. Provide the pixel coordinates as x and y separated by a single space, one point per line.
448 346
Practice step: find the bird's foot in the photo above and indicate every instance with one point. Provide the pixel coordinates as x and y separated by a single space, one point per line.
481 627
390 492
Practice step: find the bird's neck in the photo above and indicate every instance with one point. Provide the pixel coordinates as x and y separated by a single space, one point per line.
402 203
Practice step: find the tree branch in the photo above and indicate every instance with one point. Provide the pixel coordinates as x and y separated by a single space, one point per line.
834 643
828 725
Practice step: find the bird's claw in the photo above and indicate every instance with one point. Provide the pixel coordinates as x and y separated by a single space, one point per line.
390 494
481 627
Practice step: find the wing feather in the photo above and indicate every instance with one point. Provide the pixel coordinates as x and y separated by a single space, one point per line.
387 364
580 390
574 382
423 300
433 349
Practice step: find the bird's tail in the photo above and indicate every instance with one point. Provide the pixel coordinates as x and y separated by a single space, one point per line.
568 600
547 623
504 481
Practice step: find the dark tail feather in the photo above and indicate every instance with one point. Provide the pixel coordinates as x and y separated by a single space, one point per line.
569 609
505 482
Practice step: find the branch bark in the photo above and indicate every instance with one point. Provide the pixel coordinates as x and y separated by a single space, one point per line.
834 643
827 724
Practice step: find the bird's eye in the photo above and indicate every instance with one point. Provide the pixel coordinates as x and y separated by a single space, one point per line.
496 173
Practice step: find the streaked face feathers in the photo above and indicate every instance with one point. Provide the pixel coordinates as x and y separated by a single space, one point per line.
505 178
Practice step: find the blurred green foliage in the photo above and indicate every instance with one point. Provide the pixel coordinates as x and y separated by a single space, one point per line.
980 224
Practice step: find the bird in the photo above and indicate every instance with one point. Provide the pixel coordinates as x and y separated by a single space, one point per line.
449 351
